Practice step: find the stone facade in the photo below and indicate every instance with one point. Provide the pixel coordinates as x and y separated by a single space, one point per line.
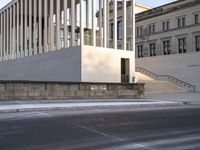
170 29
26 90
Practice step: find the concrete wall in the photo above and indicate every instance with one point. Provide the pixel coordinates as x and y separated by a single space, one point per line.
62 65
104 65
20 90
182 66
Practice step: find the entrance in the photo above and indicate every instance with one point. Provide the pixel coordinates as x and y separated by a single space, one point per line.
125 69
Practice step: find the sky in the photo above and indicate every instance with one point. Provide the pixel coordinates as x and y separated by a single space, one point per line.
151 3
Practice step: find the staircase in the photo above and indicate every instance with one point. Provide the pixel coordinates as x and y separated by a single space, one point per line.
162 83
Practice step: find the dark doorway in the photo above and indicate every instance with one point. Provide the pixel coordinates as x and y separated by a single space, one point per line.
125 69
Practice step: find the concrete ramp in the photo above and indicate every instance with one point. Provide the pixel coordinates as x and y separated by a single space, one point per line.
157 86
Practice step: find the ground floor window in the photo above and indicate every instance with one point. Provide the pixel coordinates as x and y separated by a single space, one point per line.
182 45
167 47
140 51
152 48
197 43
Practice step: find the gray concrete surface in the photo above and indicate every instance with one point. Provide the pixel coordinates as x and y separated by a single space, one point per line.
185 67
128 129
62 65
186 97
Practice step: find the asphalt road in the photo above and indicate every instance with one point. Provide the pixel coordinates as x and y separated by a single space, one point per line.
147 129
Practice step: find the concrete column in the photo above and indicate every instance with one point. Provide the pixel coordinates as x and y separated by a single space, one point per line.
14 30
17 39
52 24
108 22
65 24
40 26
124 24
35 27
93 23
7 33
105 23
4 35
133 26
30 27
88 13
45 26
25 28
100 24
1 46
21 30
58 23
11 32
115 24
81 24
73 26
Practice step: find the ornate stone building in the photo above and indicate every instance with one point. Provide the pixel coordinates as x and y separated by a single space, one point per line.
170 29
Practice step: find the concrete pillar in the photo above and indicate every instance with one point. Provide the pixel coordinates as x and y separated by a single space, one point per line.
93 23
108 22
21 30
14 31
7 33
17 39
11 32
115 24
58 23
52 24
73 26
133 26
100 24
45 26
65 25
30 27
35 27
105 23
88 13
124 25
1 47
25 28
81 24
40 26
4 35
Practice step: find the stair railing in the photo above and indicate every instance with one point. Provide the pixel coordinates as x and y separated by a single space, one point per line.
169 78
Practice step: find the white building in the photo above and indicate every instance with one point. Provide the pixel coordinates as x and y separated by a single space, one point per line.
59 40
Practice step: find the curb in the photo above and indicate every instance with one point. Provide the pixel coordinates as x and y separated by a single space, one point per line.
16 110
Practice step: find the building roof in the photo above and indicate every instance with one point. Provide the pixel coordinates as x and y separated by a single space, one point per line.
165 9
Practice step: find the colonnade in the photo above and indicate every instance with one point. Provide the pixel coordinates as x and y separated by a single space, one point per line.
32 27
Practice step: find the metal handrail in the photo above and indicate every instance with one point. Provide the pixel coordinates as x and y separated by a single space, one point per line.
167 77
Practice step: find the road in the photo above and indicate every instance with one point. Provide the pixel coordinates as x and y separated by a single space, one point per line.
127 129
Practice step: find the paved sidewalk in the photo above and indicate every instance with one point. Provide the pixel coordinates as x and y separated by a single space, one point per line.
26 106
187 97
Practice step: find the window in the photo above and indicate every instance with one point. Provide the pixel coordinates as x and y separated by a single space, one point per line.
182 45
152 48
181 22
152 29
197 43
140 51
196 18
166 26
119 30
167 47
139 31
